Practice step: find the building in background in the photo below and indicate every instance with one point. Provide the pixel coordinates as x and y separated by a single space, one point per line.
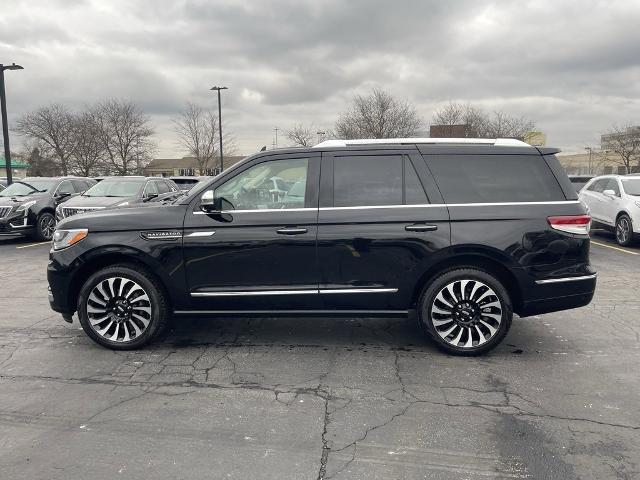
448 131
595 162
18 168
607 140
185 166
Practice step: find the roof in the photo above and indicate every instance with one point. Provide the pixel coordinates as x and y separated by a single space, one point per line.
14 163
498 142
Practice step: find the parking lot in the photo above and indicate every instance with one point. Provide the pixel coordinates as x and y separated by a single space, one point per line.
325 398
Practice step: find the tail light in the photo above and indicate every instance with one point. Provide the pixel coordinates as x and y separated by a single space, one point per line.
579 224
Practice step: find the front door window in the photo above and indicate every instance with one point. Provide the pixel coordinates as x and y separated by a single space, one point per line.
276 184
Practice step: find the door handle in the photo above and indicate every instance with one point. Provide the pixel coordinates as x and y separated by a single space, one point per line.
291 231
420 227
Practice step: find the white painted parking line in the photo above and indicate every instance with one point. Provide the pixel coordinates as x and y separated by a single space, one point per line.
615 248
34 245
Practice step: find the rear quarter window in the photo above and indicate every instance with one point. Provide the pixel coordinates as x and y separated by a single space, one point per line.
494 178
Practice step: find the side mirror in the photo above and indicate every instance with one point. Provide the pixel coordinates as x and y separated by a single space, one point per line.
150 196
609 193
62 195
209 203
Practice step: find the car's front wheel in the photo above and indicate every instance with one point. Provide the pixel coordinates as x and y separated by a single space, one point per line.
624 230
466 311
122 308
45 226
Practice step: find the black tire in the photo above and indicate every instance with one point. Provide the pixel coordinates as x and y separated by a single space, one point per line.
624 230
45 225
469 319
125 282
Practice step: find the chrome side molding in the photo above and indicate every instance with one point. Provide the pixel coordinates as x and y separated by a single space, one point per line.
566 279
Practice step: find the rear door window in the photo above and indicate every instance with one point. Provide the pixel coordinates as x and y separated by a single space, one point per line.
371 180
367 180
494 178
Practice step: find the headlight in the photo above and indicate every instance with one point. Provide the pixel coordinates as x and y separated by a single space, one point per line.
66 238
25 206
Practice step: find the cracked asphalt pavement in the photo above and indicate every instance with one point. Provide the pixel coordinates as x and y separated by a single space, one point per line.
327 398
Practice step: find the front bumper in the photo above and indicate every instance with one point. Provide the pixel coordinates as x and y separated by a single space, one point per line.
59 288
17 223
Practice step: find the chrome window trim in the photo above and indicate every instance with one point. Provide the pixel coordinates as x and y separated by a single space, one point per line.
566 279
321 291
263 210
424 205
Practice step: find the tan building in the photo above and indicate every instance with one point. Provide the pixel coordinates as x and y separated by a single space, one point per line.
596 163
185 166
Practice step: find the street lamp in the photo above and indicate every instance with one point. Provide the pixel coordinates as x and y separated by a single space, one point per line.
5 126
220 124
590 150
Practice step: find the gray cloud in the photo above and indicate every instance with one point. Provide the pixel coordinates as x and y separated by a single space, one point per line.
573 67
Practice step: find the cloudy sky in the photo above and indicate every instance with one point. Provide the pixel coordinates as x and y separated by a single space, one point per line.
571 66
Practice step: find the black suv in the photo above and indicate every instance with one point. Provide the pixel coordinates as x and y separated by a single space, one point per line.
118 192
447 228
27 206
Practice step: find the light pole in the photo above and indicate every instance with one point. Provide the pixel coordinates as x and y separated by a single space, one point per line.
5 127
590 150
220 124
321 135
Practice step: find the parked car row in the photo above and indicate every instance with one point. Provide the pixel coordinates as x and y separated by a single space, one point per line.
118 192
31 206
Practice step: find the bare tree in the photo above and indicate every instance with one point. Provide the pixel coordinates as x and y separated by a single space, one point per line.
301 136
88 149
197 131
624 141
125 134
480 124
378 115
51 126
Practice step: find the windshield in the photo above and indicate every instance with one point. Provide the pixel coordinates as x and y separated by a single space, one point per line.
115 188
28 186
631 186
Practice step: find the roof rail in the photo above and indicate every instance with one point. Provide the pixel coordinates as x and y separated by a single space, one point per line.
501 142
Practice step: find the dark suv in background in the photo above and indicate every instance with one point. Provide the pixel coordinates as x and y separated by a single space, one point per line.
444 227
118 192
28 205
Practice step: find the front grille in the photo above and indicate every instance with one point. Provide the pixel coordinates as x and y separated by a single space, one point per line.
4 211
70 211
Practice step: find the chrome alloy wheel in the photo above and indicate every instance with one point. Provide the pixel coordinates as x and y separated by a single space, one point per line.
466 313
623 230
47 226
119 309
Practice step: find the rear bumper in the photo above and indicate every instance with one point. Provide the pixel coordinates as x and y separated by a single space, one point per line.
576 291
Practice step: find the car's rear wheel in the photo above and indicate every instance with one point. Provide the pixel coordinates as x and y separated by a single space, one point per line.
466 311
624 230
45 226
122 308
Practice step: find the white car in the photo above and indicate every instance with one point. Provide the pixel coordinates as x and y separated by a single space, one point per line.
614 201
